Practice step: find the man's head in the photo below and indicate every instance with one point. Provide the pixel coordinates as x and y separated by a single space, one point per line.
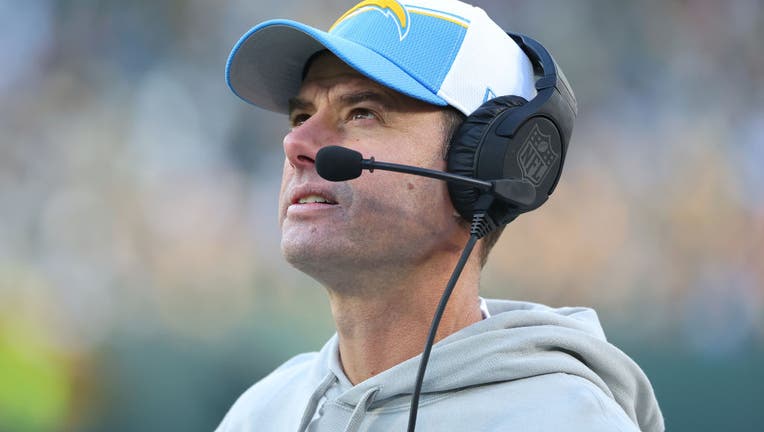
381 220
424 64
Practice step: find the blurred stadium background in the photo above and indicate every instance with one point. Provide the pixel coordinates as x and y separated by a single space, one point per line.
141 287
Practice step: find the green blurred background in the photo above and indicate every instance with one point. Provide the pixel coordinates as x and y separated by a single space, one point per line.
141 285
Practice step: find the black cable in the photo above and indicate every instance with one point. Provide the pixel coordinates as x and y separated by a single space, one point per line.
434 329
482 224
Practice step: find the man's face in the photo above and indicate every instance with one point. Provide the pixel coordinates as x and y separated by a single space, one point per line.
382 219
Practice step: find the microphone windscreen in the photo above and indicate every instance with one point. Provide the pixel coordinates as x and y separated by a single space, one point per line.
335 163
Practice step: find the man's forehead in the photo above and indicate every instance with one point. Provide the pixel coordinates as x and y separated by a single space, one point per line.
325 64
326 72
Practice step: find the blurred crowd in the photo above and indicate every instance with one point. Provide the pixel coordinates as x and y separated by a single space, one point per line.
141 284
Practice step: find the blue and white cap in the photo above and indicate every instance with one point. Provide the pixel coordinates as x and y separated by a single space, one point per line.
444 52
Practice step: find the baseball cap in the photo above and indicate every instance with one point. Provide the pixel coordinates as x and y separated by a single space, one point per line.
444 52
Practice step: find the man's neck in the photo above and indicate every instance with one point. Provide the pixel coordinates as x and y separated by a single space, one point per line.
388 324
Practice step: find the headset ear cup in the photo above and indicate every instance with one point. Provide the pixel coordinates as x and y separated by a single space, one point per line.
465 146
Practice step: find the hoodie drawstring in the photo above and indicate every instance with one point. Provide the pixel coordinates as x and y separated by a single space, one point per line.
310 409
360 409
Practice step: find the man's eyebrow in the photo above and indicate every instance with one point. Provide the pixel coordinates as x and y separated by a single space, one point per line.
366 96
299 104
296 103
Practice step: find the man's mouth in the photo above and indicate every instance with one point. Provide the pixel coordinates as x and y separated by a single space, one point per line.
311 199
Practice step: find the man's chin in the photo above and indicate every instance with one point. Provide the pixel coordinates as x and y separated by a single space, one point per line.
323 261
306 255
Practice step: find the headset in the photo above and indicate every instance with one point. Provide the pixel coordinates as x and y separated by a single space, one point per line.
513 139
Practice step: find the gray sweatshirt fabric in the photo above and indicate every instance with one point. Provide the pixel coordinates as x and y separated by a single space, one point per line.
526 368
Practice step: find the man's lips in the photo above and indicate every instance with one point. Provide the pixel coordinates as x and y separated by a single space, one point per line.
314 199
309 194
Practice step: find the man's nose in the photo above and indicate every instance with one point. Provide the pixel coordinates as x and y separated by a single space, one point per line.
305 140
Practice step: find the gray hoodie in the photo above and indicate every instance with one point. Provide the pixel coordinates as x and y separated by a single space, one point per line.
526 368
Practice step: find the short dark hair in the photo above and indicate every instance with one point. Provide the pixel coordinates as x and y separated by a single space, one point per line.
453 119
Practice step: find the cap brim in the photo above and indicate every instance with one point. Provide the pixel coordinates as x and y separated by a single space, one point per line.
266 65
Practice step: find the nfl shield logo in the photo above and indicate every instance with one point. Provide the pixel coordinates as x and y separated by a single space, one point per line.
536 156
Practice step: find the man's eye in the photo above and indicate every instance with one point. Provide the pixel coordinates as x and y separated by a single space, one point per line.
299 119
362 114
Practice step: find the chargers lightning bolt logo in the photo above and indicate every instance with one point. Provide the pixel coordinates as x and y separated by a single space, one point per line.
389 8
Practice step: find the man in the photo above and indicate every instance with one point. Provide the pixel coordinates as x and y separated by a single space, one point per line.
384 245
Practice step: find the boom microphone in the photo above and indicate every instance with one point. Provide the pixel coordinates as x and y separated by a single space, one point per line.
335 163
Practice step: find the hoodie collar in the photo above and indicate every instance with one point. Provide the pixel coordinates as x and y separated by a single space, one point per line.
519 340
